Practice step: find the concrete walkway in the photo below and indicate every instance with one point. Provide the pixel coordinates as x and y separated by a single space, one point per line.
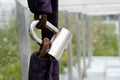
104 68
101 68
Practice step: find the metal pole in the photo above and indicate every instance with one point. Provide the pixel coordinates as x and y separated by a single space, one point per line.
119 35
23 38
69 48
77 38
89 30
83 44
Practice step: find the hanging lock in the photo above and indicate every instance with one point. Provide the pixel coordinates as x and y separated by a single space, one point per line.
58 42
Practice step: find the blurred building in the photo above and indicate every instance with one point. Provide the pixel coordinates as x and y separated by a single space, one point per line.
6 10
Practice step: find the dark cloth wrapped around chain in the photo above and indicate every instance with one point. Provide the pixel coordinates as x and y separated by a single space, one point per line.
44 69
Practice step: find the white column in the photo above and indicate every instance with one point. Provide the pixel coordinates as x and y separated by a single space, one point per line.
119 35
83 43
23 38
89 36
77 40
69 48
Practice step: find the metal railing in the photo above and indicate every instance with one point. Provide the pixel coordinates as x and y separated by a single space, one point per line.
83 44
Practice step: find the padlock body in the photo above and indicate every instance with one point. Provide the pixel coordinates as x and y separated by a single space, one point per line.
60 43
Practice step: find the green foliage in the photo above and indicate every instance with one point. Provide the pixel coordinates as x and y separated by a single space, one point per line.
105 40
63 62
9 64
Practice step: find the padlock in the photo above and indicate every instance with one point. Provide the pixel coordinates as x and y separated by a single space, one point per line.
59 41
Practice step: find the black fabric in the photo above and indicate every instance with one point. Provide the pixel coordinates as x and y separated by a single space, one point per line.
52 18
44 69
40 6
38 68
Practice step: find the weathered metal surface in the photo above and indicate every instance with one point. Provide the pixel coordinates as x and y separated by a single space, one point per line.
23 38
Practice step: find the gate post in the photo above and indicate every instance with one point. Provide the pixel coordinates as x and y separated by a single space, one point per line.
23 37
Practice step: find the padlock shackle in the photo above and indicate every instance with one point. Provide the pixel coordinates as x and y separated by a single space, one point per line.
50 26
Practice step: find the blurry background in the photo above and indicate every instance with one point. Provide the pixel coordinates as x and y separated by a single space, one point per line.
104 32
9 61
